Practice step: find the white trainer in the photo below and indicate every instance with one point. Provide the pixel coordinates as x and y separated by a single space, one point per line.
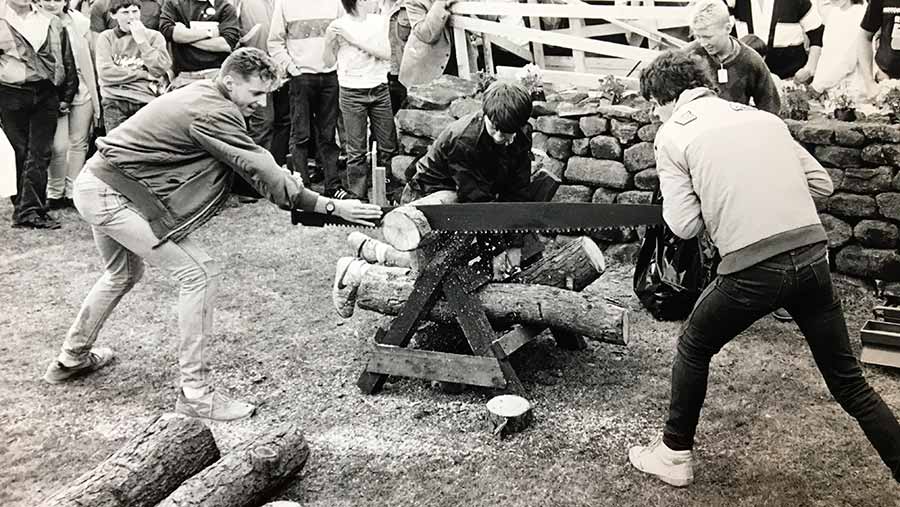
675 468
347 277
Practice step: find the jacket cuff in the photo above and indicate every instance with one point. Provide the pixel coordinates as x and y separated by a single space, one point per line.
307 200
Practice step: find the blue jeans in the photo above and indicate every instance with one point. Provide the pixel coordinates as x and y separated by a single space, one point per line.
800 281
116 111
124 240
359 106
314 111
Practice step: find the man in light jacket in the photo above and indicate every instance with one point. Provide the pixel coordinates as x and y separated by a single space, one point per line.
429 51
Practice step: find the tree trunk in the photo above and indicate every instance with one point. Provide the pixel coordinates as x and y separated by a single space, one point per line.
386 290
247 475
146 469
405 227
574 266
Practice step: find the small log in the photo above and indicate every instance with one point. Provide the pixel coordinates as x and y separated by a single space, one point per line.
374 251
405 227
574 266
385 290
146 469
247 475
508 414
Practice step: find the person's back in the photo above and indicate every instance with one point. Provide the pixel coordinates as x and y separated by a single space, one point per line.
357 68
732 177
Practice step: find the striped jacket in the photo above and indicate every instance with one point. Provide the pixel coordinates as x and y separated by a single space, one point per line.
790 20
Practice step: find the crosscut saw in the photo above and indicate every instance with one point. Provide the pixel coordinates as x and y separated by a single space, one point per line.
499 217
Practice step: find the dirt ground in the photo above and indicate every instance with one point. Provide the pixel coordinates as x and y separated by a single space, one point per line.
770 433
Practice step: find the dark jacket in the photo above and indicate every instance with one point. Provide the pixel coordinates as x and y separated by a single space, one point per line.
464 158
176 158
748 77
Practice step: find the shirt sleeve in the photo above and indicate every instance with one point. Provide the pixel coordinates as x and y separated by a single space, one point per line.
277 43
873 18
681 205
98 16
817 178
223 135
765 93
229 25
168 16
427 25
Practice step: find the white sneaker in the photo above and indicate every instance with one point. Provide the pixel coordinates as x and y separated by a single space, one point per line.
672 467
347 277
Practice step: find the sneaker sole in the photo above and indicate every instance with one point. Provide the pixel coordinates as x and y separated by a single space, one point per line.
188 412
76 375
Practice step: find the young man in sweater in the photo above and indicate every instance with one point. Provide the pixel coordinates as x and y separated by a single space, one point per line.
773 253
203 33
741 73
131 62
155 179
297 43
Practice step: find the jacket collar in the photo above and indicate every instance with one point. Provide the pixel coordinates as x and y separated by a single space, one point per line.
691 95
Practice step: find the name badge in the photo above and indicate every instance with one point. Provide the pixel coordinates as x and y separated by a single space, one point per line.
210 11
722 75
895 34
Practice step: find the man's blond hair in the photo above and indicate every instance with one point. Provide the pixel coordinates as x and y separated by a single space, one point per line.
705 12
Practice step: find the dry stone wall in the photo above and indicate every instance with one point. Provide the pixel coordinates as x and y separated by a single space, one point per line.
604 154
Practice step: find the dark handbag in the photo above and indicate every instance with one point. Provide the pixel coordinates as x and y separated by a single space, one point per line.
671 273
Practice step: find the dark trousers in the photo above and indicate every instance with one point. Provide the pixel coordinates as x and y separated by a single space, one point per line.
359 107
799 281
314 111
281 123
116 111
29 115
398 92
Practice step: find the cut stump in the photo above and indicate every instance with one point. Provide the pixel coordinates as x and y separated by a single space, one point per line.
508 414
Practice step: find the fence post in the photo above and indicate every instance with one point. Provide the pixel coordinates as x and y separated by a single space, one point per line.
461 42
537 49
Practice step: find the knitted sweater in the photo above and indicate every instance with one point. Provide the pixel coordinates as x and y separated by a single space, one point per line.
128 70
748 77
297 34
754 203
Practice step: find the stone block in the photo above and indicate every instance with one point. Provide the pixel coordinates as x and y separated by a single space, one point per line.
555 167
815 134
837 176
572 193
838 156
821 204
570 110
896 183
541 108
639 157
867 180
605 147
603 173
440 93
882 154
398 166
889 205
623 112
635 197
573 96
555 125
648 179
412 145
852 205
464 106
845 135
593 125
423 123
839 232
539 141
881 264
794 126
604 196
876 233
581 147
624 131
559 148
880 132
648 132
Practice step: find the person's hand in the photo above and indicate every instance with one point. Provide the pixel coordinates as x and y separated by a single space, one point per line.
293 70
139 32
212 32
880 75
64 108
803 76
357 211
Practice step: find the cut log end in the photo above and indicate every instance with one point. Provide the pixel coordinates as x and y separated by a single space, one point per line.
508 414
594 254
404 228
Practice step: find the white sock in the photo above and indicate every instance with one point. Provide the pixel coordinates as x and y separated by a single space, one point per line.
194 393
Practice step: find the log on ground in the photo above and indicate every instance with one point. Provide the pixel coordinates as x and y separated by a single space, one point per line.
385 290
246 476
508 414
573 266
146 469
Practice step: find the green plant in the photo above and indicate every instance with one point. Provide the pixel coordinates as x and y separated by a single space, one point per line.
484 80
843 101
612 89
796 103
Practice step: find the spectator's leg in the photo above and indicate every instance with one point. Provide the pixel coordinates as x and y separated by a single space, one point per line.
281 123
326 122
354 109
15 109
32 200
81 119
59 151
383 128
300 123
